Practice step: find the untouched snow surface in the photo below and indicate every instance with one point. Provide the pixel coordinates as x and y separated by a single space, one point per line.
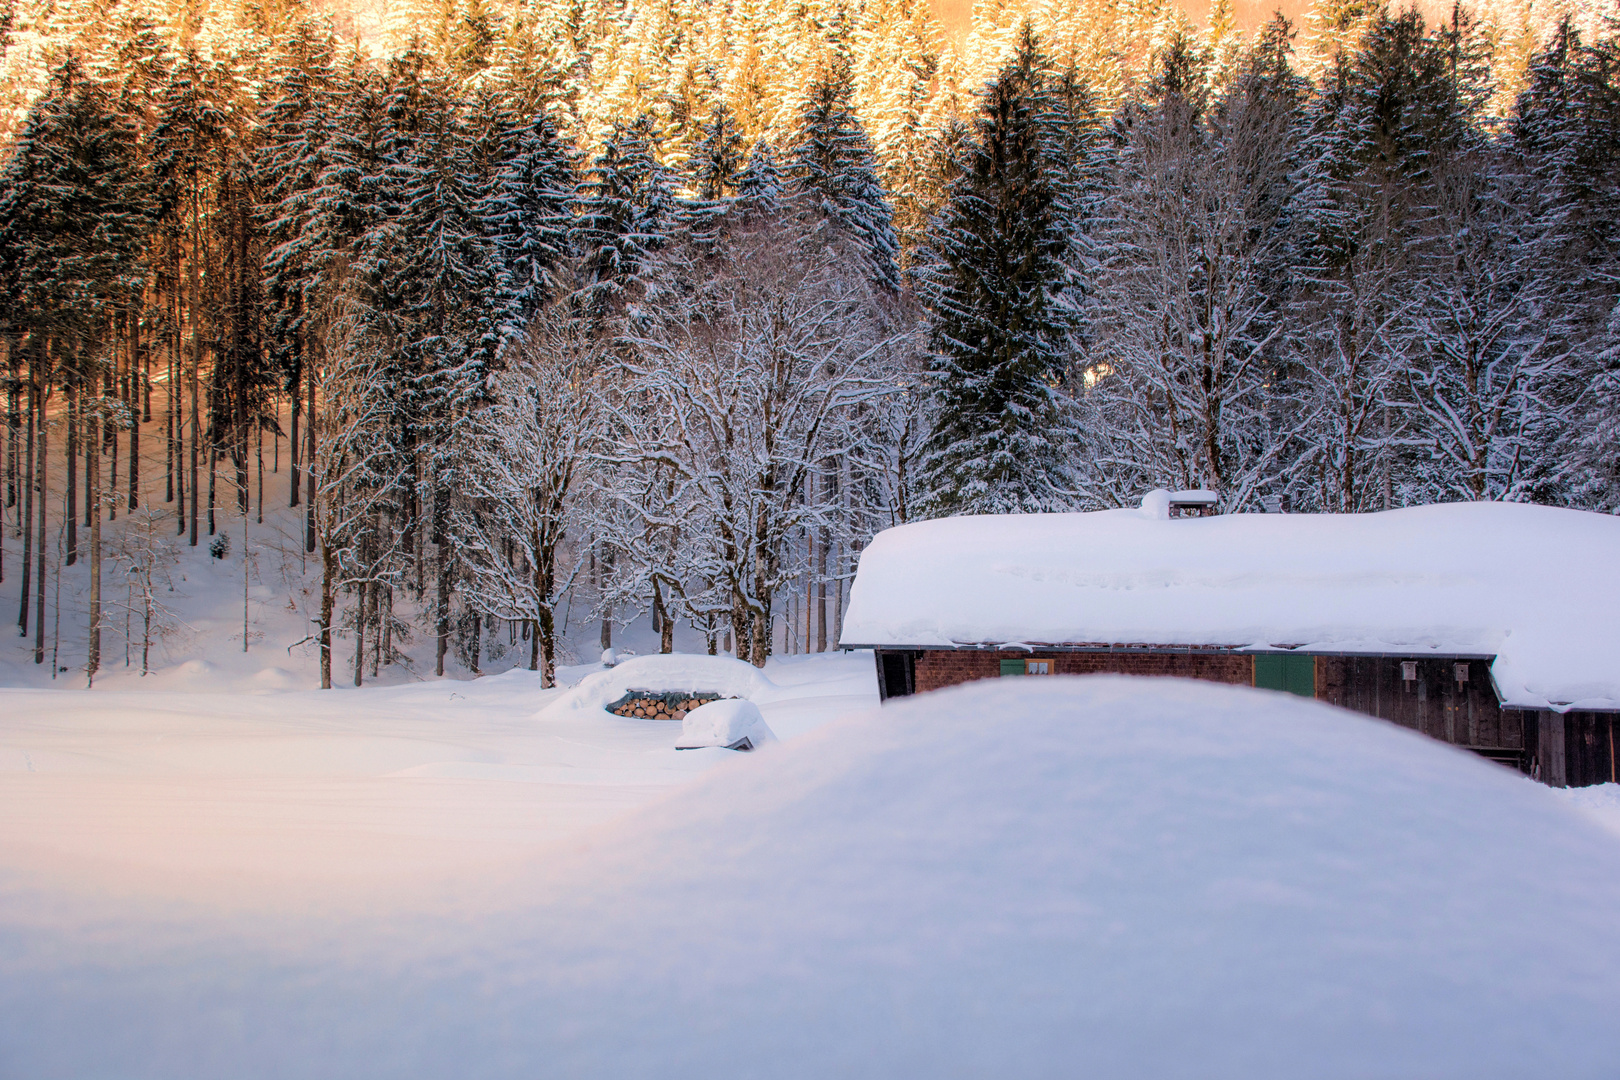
395 796
1534 586
1033 877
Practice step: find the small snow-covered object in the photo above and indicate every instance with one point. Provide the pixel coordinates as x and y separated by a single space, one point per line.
1156 505
609 658
733 723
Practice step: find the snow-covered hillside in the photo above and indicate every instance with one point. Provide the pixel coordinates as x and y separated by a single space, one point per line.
200 648
1102 877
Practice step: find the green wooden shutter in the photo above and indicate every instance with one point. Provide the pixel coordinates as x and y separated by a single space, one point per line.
1012 667
1289 672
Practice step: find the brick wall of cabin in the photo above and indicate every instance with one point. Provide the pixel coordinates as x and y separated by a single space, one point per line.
939 668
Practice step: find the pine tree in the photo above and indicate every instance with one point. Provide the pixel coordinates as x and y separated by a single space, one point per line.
833 165
530 211
998 328
717 159
622 217
75 215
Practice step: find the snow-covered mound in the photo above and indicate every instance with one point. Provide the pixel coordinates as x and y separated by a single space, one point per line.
1092 877
1037 877
733 724
673 671
1534 586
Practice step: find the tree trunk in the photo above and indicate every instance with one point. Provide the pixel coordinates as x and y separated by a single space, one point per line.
196 433
213 475
607 609
92 480
171 388
309 458
666 628
71 516
135 411
441 509
360 633
28 510
292 443
196 362
245 565
327 560
13 424
44 513
821 593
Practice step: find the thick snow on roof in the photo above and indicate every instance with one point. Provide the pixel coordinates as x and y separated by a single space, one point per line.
1104 877
1534 586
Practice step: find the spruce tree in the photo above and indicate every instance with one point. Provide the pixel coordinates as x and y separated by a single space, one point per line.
832 164
529 211
622 216
998 327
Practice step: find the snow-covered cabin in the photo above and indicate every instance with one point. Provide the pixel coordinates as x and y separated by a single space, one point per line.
1494 626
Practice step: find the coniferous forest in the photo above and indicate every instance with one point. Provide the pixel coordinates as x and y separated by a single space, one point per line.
638 309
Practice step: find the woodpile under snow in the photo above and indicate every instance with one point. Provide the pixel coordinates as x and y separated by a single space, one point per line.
648 705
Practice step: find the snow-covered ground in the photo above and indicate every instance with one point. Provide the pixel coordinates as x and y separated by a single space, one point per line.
328 798
217 871
1102 877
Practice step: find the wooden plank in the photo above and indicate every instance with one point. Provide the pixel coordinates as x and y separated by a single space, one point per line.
1550 746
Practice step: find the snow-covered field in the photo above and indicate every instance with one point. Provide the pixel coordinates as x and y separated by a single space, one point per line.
216 872
327 799
1061 877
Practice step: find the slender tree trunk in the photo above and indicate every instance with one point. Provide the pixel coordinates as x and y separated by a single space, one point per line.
327 559
360 634
107 443
93 482
441 509
135 414
259 451
607 609
309 457
196 364
28 508
71 517
245 564
44 513
213 472
821 593
170 427
13 424
292 442
666 628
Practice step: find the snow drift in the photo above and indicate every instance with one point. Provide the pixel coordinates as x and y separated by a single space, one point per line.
734 725
1031 878
1534 586
673 671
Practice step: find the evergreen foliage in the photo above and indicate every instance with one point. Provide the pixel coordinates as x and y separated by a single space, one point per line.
1000 440
832 162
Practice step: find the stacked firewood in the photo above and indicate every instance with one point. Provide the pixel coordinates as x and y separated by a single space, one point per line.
647 705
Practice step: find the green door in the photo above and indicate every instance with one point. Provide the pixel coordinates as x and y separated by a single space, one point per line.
1291 672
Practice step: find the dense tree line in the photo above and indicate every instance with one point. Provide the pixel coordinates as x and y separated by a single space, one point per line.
522 348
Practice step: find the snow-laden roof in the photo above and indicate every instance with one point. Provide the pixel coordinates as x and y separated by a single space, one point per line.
1536 587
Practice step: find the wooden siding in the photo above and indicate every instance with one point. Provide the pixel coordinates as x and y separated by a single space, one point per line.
1434 703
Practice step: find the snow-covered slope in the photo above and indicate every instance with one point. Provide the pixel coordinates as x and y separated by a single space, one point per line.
1059 877
1534 586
